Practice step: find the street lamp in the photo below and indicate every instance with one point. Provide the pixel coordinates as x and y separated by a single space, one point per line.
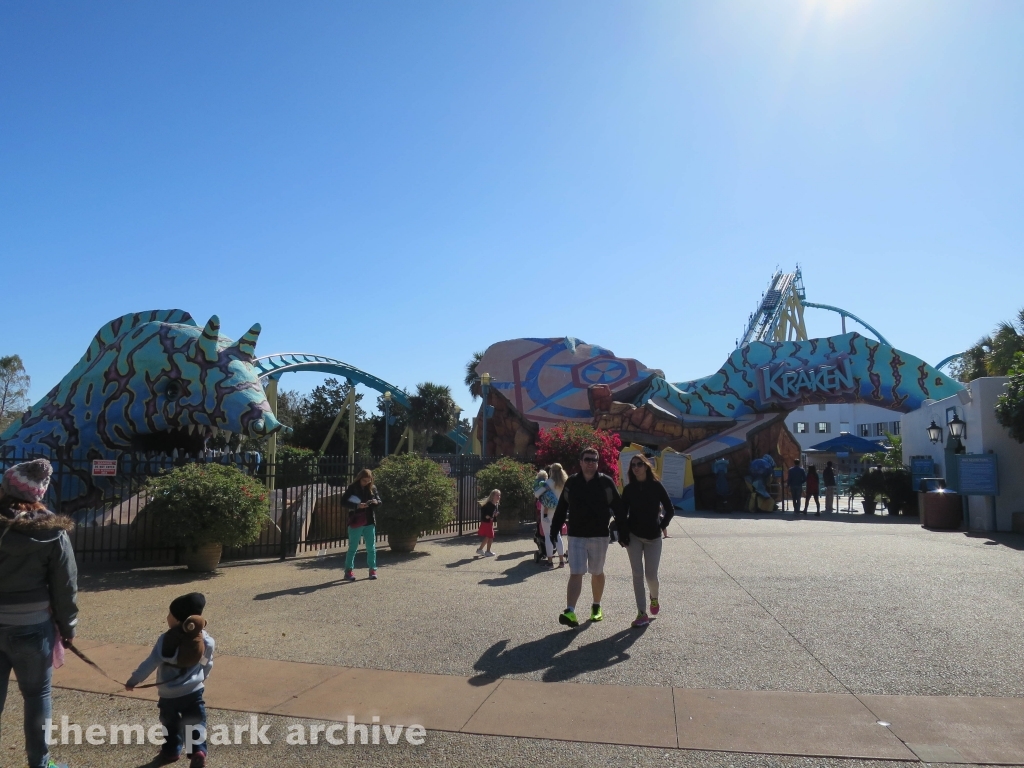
956 428
387 423
485 386
934 432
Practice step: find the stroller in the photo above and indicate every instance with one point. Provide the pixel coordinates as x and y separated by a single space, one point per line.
540 557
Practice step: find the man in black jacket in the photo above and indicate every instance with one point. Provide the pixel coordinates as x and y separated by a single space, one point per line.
589 499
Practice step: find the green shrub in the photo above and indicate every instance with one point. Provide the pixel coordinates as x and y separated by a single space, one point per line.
417 496
1010 406
295 466
870 485
207 503
514 480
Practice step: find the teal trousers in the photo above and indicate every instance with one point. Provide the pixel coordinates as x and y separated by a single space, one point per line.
367 533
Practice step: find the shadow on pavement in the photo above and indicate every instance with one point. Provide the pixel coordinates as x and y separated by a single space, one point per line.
306 590
549 656
101 580
517 574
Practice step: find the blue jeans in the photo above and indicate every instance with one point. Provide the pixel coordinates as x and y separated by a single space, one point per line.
181 711
29 652
369 534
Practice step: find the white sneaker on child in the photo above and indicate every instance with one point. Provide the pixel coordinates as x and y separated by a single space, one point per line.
479 550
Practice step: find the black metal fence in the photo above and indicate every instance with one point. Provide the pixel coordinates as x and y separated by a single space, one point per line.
106 499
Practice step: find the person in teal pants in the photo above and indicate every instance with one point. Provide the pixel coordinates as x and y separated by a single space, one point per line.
360 499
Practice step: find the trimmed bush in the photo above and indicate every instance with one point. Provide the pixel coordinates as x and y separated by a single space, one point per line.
417 496
207 504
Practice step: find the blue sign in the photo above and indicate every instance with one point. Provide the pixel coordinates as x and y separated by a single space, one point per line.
920 468
978 474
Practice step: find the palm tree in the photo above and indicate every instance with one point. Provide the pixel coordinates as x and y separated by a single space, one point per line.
432 410
472 379
993 355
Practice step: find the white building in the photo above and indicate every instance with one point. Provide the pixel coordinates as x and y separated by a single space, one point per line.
813 424
982 435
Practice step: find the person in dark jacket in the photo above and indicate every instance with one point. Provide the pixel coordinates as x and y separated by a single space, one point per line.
812 491
361 499
38 595
796 479
828 477
648 511
589 499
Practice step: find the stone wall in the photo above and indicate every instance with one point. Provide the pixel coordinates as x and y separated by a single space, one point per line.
509 433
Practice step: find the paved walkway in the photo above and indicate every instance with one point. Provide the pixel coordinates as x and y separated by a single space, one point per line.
946 729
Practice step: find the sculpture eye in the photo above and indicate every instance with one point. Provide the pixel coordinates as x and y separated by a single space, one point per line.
172 391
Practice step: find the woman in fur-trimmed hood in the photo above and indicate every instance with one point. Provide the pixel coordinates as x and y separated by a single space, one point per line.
38 593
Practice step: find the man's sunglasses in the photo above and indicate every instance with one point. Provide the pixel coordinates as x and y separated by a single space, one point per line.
590 460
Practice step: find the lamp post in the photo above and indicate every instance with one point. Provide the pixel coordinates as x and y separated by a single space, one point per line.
387 423
934 432
485 386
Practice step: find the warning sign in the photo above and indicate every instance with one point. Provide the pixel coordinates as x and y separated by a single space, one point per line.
104 467
446 468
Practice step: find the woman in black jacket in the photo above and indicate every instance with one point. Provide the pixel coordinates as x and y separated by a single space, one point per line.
647 513
360 499
38 595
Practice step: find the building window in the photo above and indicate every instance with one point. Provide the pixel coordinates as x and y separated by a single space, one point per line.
821 406
881 428
823 428
894 428
801 427
844 426
864 430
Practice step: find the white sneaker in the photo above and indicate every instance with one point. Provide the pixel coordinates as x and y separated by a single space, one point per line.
480 550
488 554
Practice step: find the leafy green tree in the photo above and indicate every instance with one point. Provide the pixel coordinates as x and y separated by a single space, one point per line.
14 387
318 412
433 411
993 355
891 456
472 379
515 481
1010 406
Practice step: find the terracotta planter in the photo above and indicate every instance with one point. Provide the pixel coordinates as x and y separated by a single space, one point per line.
402 542
869 507
203 558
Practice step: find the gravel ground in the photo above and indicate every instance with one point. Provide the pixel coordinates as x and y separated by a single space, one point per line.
775 603
439 749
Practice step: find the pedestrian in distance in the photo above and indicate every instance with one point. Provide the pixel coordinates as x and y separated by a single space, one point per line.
812 491
361 500
647 511
796 479
548 493
828 476
182 659
589 500
489 509
38 597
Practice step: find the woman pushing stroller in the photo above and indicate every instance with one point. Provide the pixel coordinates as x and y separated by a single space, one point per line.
548 489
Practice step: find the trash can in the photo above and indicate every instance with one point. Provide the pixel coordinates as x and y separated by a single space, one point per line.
939 508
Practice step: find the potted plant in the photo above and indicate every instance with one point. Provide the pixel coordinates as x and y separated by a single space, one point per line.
206 507
515 481
417 496
870 485
899 492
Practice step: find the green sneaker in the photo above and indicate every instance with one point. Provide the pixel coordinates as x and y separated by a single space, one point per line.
568 618
596 613
54 764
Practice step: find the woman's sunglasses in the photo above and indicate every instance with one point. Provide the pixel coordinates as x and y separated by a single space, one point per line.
636 464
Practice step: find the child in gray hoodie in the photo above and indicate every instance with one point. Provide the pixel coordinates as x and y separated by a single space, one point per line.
182 659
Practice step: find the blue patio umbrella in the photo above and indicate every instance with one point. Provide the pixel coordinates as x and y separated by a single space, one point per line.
847 443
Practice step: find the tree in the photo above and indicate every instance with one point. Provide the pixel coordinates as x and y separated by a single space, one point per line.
1010 406
432 410
14 386
993 355
472 379
318 412
891 456
564 443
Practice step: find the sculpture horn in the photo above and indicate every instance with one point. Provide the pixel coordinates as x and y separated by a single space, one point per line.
208 338
247 344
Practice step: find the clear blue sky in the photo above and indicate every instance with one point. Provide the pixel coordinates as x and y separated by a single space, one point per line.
401 184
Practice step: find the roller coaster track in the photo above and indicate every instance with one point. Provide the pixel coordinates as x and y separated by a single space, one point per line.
273 366
780 315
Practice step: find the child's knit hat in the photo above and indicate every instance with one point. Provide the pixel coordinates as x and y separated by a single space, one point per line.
27 481
191 604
